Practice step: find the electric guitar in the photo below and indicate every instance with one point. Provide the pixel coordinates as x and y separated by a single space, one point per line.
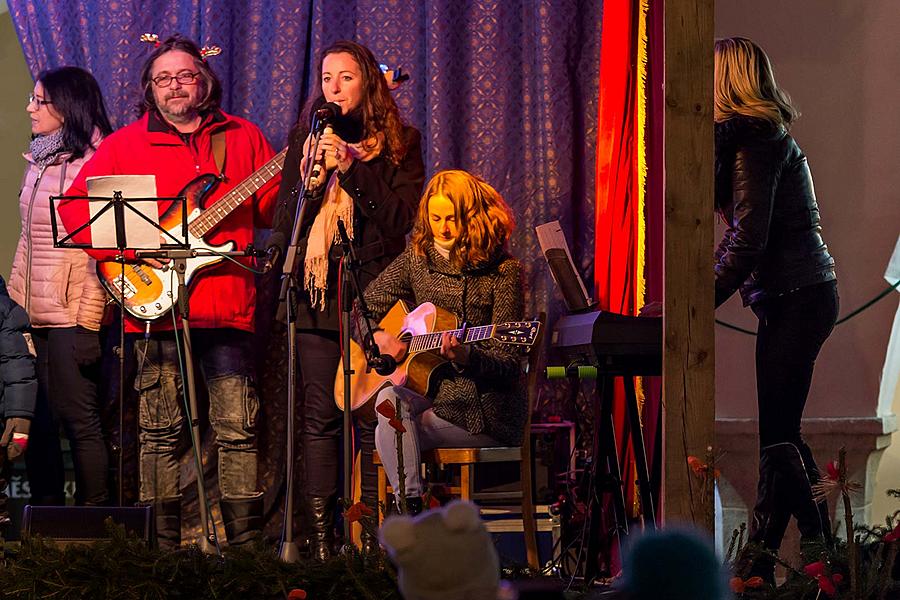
150 293
421 329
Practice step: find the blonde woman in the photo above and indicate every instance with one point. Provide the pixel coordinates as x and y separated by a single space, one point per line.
457 260
774 253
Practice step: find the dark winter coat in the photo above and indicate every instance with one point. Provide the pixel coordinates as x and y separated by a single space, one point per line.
764 193
18 386
487 395
385 200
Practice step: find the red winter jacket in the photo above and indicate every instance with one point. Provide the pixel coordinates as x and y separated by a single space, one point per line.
223 295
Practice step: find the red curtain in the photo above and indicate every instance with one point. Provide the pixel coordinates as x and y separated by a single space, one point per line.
621 169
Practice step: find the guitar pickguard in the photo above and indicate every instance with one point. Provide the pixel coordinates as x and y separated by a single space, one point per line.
150 293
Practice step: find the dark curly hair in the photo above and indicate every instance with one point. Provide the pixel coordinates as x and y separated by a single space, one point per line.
212 87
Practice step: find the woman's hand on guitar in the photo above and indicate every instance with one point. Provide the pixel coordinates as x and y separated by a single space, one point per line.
388 343
454 350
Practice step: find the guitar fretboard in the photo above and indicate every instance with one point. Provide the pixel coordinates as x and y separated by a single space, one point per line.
211 217
432 341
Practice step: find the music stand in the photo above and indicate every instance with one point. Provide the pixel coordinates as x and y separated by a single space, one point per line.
178 250
583 320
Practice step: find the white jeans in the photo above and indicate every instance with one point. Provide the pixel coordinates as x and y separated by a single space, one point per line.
424 431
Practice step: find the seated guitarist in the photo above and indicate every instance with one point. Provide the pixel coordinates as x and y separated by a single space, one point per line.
176 139
457 260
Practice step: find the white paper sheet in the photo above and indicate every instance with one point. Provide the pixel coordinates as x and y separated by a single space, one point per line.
138 232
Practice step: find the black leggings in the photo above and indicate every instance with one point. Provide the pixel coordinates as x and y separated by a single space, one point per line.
319 355
792 329
67 396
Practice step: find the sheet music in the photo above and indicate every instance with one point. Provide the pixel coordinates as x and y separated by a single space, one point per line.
139 233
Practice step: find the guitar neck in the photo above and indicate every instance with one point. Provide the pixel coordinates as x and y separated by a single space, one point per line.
213 215
432 341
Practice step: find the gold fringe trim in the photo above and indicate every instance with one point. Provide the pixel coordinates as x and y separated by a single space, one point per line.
641 139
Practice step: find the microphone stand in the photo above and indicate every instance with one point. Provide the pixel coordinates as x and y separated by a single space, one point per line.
383 364
289 552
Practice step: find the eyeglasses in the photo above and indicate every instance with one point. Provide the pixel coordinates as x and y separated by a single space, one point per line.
32 99
165 81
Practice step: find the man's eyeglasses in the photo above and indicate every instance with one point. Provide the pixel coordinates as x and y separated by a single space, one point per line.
32 99
165 81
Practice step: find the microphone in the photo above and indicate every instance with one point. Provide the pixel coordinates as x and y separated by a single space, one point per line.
327 113
323 121
275 248
317 176
384 364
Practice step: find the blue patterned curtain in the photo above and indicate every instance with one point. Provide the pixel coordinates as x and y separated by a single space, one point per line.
507 90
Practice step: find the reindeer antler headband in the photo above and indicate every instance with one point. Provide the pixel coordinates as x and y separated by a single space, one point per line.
150 38
205 51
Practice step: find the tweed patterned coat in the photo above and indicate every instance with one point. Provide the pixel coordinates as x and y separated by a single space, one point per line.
487 395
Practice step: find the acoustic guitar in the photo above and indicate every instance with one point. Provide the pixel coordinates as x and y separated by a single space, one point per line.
421 329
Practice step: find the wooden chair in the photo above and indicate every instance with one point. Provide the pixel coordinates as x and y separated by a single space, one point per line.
467 458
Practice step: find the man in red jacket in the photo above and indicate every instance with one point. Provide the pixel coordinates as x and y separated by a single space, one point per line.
174 140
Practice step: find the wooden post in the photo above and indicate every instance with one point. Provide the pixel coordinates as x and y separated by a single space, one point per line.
688 338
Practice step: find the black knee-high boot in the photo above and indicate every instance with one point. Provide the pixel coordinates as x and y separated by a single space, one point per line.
813 519
168 523
770 516
243 519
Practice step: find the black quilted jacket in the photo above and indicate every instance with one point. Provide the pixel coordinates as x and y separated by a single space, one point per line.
764 193
486 396
18 386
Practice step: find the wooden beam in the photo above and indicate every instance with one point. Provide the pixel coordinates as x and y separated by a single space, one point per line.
689 342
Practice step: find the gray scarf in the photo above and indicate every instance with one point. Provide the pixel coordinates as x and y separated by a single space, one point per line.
45 148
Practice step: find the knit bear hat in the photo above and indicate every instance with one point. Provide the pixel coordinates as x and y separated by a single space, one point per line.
443 554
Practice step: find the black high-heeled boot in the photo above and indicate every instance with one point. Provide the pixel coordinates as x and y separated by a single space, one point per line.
770 519
321 513
368 542
812 516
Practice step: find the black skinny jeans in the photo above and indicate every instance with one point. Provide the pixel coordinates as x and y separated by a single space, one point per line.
67 396
792 329
319 355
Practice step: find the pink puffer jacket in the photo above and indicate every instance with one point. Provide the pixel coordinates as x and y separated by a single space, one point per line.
58 287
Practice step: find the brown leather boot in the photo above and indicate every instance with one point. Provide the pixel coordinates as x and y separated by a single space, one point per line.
321 541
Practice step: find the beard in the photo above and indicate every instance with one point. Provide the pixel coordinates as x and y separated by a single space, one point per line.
178 112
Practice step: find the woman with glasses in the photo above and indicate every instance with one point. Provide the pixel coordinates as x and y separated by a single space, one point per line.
371 180
60 291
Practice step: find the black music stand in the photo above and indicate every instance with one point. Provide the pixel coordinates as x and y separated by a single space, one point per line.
178 250
118 205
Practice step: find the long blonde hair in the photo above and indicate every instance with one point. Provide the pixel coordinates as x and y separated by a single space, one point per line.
745 84
484 219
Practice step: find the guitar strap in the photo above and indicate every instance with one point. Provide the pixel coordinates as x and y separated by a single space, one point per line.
218 149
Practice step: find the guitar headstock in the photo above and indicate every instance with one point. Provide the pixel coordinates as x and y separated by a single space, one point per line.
522 333
394 76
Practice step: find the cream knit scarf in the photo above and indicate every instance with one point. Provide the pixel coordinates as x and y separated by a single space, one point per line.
337 204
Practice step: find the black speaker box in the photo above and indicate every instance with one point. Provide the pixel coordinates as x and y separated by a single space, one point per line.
80 524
